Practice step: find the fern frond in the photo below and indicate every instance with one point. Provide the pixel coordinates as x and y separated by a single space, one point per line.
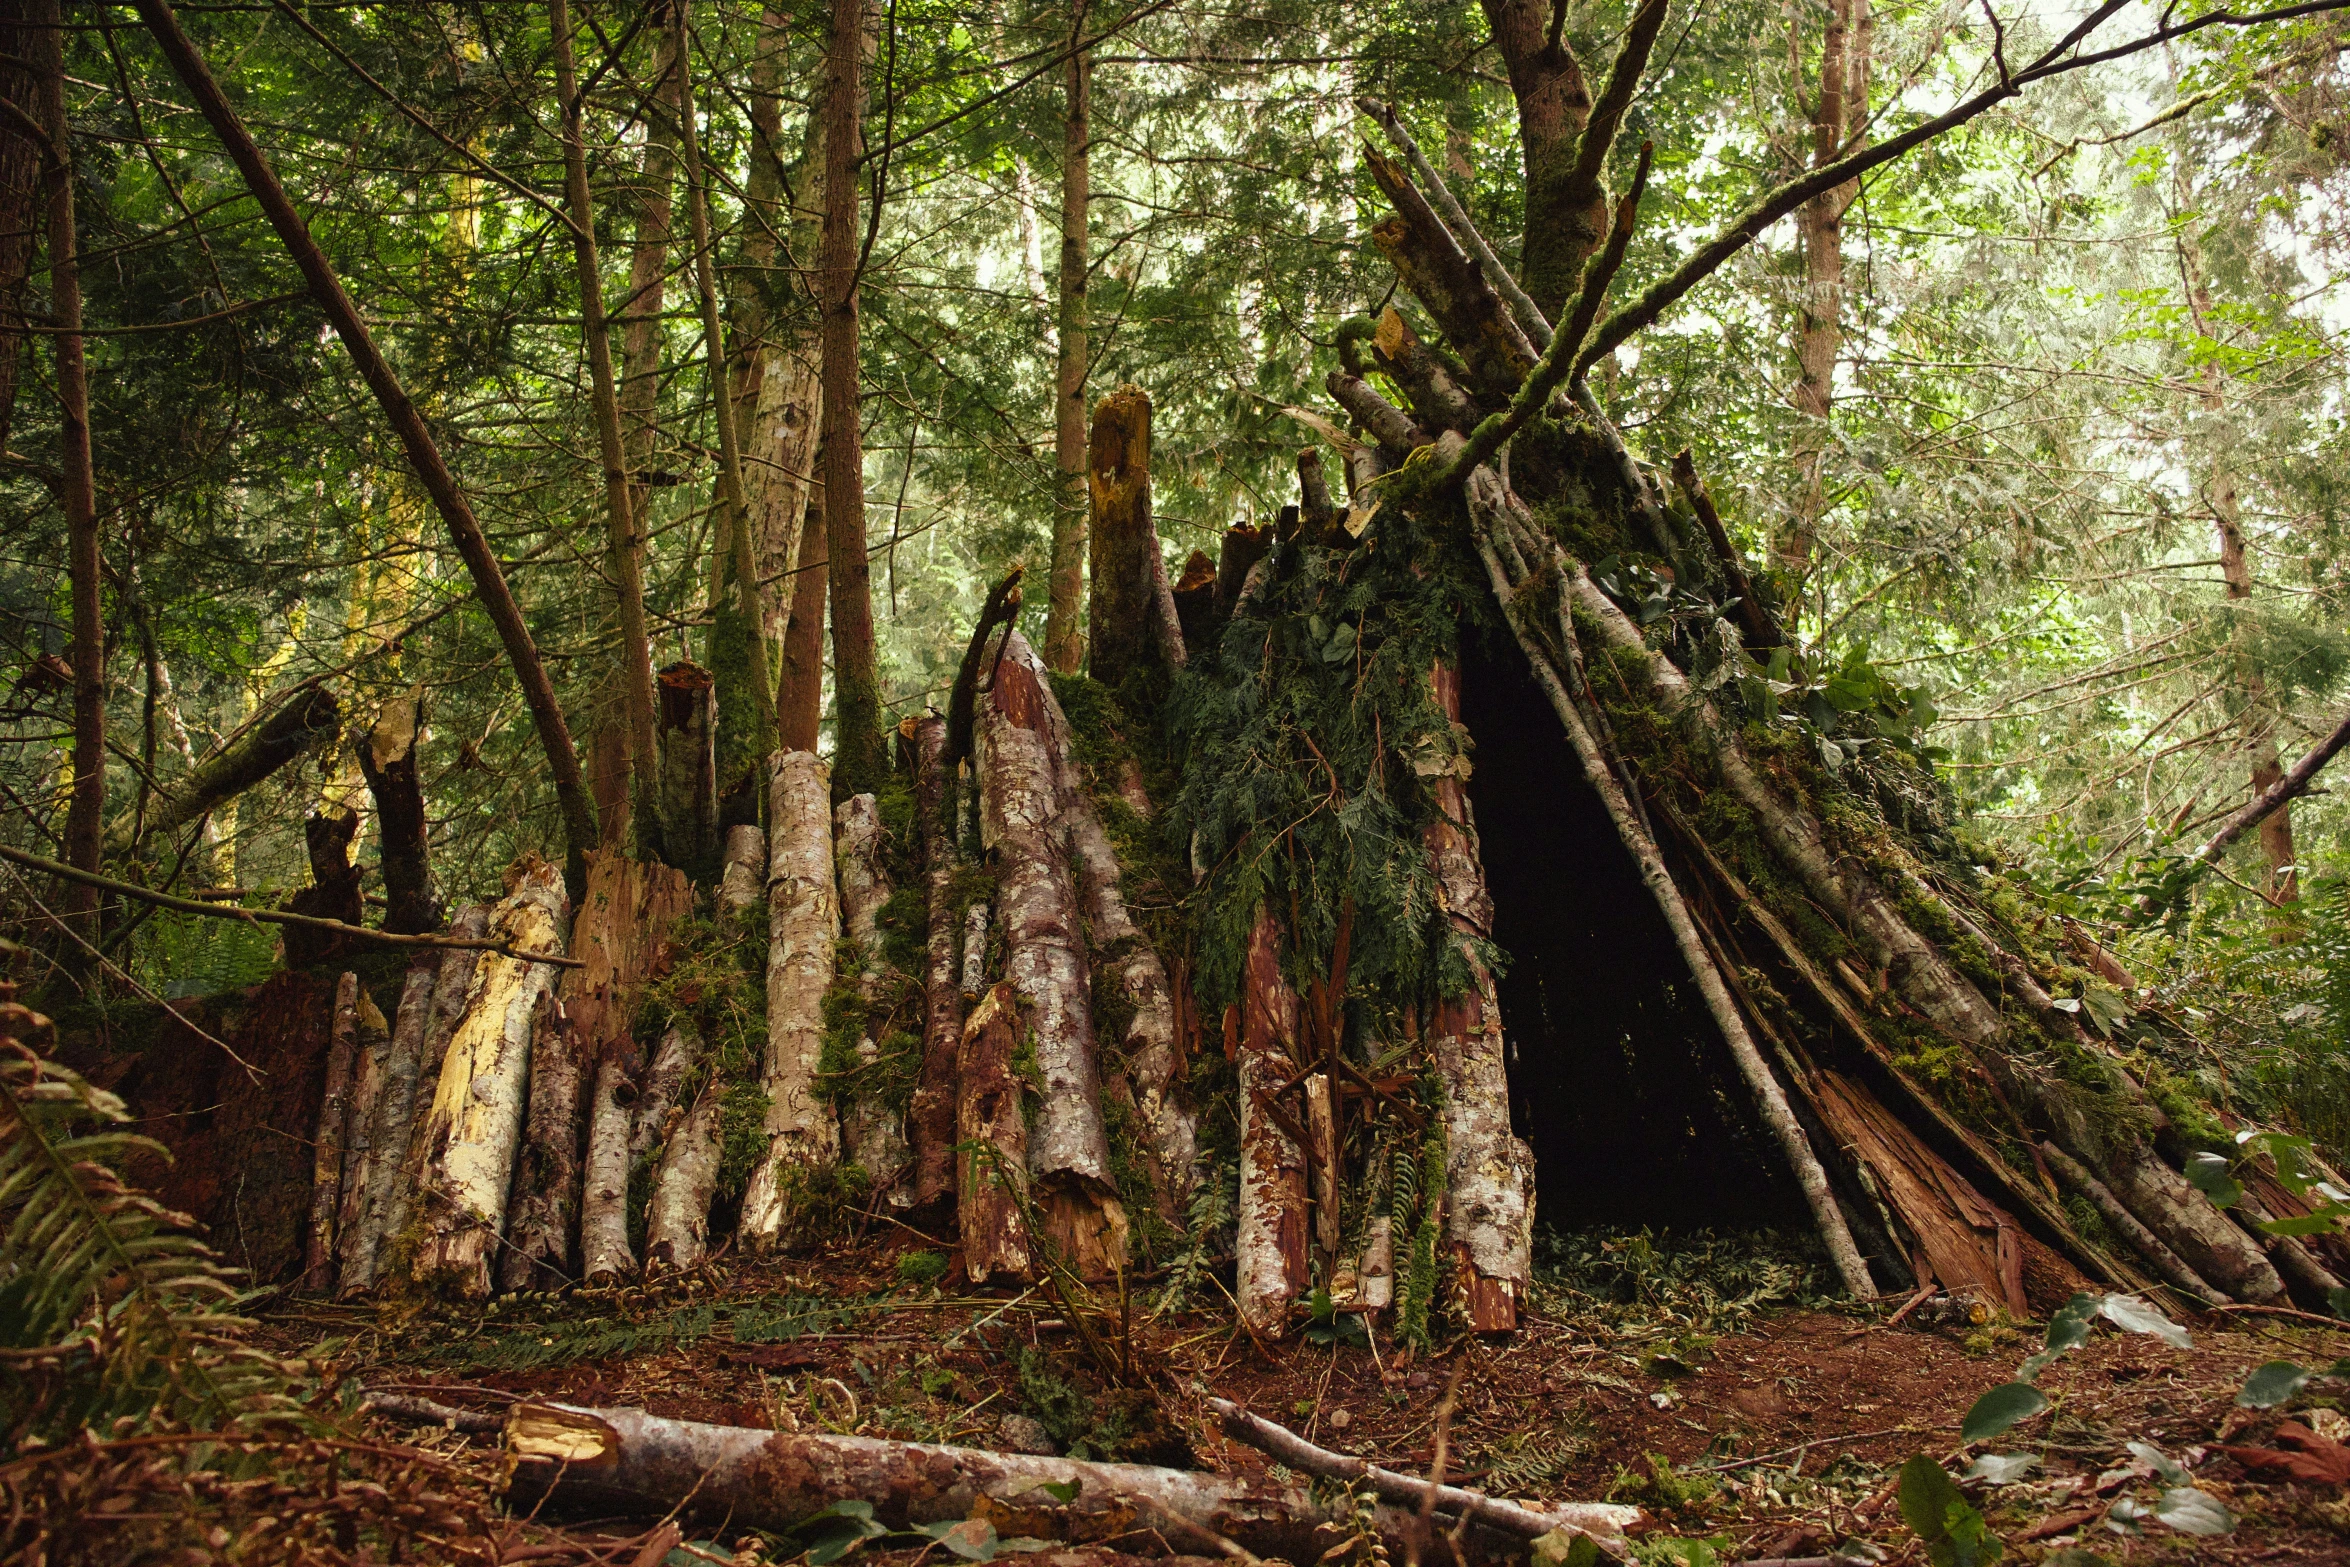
110 1310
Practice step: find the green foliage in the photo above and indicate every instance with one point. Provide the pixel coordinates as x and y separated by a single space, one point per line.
1954 1533
110 1310
1078 1427
922 1268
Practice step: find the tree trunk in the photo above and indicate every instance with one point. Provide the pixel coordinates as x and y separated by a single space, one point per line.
653 201
606 1461
991 1156
23 53
799 703
1840 104
85 815
873 1135
395 1117
306 718
604 1252
1554 104
688 790
1490 1203
1064 640
859 762
387 758
930 1121
489 581
624 549
475 1125
1269 1255
354 1247
333 893
1022 783
326 1152
1131 611
803 923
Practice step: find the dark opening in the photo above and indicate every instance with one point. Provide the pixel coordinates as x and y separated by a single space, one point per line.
1619 1081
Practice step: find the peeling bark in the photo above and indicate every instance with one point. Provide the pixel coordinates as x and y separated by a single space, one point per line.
930 1121
1022 790
1269 1254
334 1114
475 1124
803 923
991 1161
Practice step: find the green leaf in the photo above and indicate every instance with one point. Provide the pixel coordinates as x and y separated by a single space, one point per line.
2133 1315
1936 1511
2166 1468
2304 1224
2000 1408
973 1539
2338 1301
2271 1385
1566 1548
2191 1511
2210 1174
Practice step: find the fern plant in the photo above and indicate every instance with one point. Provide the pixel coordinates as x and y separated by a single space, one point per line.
110 1310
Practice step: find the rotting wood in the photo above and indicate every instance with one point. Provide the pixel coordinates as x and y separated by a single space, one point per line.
1022 789
873 1134
1130 611
354 1244
475 1123
1243 547
688 791
1195 599
326 1150
1605 1522
803 923
991 1153
1269 1252
930 1120
607 1461
1329 1179
387 760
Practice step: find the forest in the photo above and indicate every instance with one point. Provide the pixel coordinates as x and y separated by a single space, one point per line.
1388 782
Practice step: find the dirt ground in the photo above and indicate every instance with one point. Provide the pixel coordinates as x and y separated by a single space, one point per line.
1758 1421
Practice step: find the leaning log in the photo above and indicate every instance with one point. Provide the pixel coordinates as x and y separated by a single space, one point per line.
1269 1253
452 982
543 1205
742 884
606 1461
930 1121
991 1152
308 718
1130 611
354 1248
1022 790
326 1150
395 1117
677 1221
475 1124
388 761
604 1252
873 1135
803 913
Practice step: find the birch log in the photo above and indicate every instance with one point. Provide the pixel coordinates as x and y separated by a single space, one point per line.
930 1122
1021 794
742 884
677 1223
1489 1173
604 1252
803 923
542 1206
475 1124
607 1461
354 1256
873 1135
326 1151
991 1157
658 1108
1269 1253
395 1116
452 982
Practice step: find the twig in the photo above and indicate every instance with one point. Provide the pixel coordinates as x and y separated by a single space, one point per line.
2287 1311
409 1409
278 916
1528 313
1790 1452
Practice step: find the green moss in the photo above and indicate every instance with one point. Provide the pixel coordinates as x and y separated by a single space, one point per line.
2191 1119
904 927
742 1138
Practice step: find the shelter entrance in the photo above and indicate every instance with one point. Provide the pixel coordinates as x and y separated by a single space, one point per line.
1619 1081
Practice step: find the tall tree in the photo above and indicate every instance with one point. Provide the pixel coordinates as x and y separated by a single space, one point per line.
20 189
1064 642
859 759
85 816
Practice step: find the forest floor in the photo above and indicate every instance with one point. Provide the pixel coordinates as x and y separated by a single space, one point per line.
1700 1381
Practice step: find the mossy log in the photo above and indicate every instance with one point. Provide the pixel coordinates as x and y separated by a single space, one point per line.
307 718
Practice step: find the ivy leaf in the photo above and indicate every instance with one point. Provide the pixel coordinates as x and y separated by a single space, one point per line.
2003 1406
2210 1174
2133 1315
2193 1511
2271 1385
1936 1511
973 1539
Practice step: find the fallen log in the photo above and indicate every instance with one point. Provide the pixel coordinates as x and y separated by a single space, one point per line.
577 1460
1605 1522
677 1220
803 913
307 718
742 885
